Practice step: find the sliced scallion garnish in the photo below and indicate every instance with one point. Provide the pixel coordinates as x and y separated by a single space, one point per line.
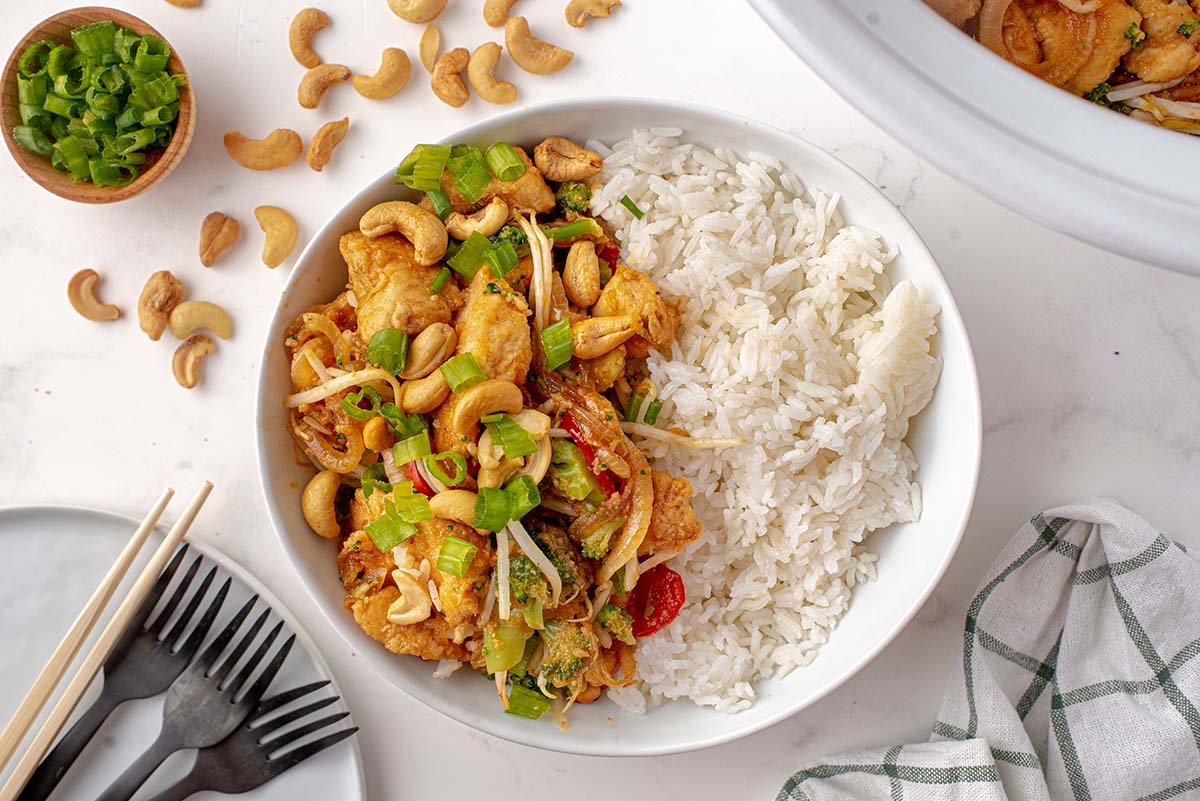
556 343
526 703
652 412
454 557
504 162
493 509
434 463
514 440
462 372
422 168
467 261
388 349
524 494
469 170
439 281
502 258
628 203
390 529
411 449
439 202
584 226
374 478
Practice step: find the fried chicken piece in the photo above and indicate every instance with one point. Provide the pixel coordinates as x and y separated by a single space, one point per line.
529 193
673 522
363 510
632 294
1113 20
391 288
361 567
461 598
493 327
430 639
956 12
1166 54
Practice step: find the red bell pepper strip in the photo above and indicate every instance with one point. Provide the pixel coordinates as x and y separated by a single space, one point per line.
418 481
605 477
655 600
610 253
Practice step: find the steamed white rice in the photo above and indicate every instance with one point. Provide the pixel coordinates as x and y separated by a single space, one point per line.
794 338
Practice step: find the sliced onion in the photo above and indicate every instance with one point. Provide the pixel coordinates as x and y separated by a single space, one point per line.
394 474
535 554
327 328
1138 88
656 560
991 25
650 432
639 490
336 385
1179 109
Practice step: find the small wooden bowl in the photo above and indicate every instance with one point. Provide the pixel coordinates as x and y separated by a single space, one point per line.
159 162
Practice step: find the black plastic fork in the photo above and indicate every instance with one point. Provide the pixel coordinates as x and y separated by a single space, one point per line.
251 756
144 663
204 706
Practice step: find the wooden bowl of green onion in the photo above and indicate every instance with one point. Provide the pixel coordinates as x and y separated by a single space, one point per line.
96 105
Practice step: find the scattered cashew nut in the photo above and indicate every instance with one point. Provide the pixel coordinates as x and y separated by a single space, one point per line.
455 504
560 159
317 503
327 137
487 221
486 397
217 235
304 26
418 11
429 349
281 230
480 71
318 80
81 291
185 364
185 3
431 44
495 12
377 435
278 149
581 276
391 77
578 11
159 297
593 337
530 53
414 603
447 83
424 395
192 315
420 227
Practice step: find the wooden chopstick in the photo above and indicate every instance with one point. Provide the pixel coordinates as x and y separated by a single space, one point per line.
99 653
60 660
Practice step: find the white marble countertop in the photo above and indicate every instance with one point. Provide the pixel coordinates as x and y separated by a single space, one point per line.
1088 365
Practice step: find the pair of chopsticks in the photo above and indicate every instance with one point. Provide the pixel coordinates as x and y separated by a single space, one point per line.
46 682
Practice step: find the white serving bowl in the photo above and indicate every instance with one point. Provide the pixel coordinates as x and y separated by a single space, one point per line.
946 438
1087 171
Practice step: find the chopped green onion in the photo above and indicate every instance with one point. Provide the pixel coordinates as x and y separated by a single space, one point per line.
467 261
352 404
503 647
652 412
107 172
525 496
411 449
492 418
70 153
97 39
504 162
454 558
405 425
374 478
633 207
556 343
422 168
584 226
635 406
388 349
33 140
526 703
469 170
462 372
390 529
439 202
493 509
413 508
439 281
62 106
501 258
514 440
434 463
32 91
152 55
36 58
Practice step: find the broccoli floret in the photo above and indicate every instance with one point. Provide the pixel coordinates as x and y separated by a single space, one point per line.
510 233
618 622
596 544
568 649
573 196
562 559
570 474
1099 94
527 581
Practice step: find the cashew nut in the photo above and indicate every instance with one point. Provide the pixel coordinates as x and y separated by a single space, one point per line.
495 12
431 44
317 81
159 297
578 11
535 422
560 159
538 463
185 364
414 603
454 504
429 350
280 148
391 77
447 83
596 336
217 235
281 230
377 435
498 476
420 227
327 137
185 3
418 11
480 71
317 503
530 53
300 35
192 315
81 291
581 276
487 221
424 395
486 397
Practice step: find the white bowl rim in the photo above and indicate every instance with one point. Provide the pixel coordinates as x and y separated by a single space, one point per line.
377 658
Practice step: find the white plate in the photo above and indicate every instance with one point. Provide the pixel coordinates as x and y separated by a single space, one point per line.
54 556
1084 170
946 438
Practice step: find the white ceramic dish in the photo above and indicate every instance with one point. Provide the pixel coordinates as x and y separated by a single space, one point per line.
81 544
946 438
1084 170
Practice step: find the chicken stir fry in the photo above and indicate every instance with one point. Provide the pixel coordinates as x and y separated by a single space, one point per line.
1139 57
469 400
